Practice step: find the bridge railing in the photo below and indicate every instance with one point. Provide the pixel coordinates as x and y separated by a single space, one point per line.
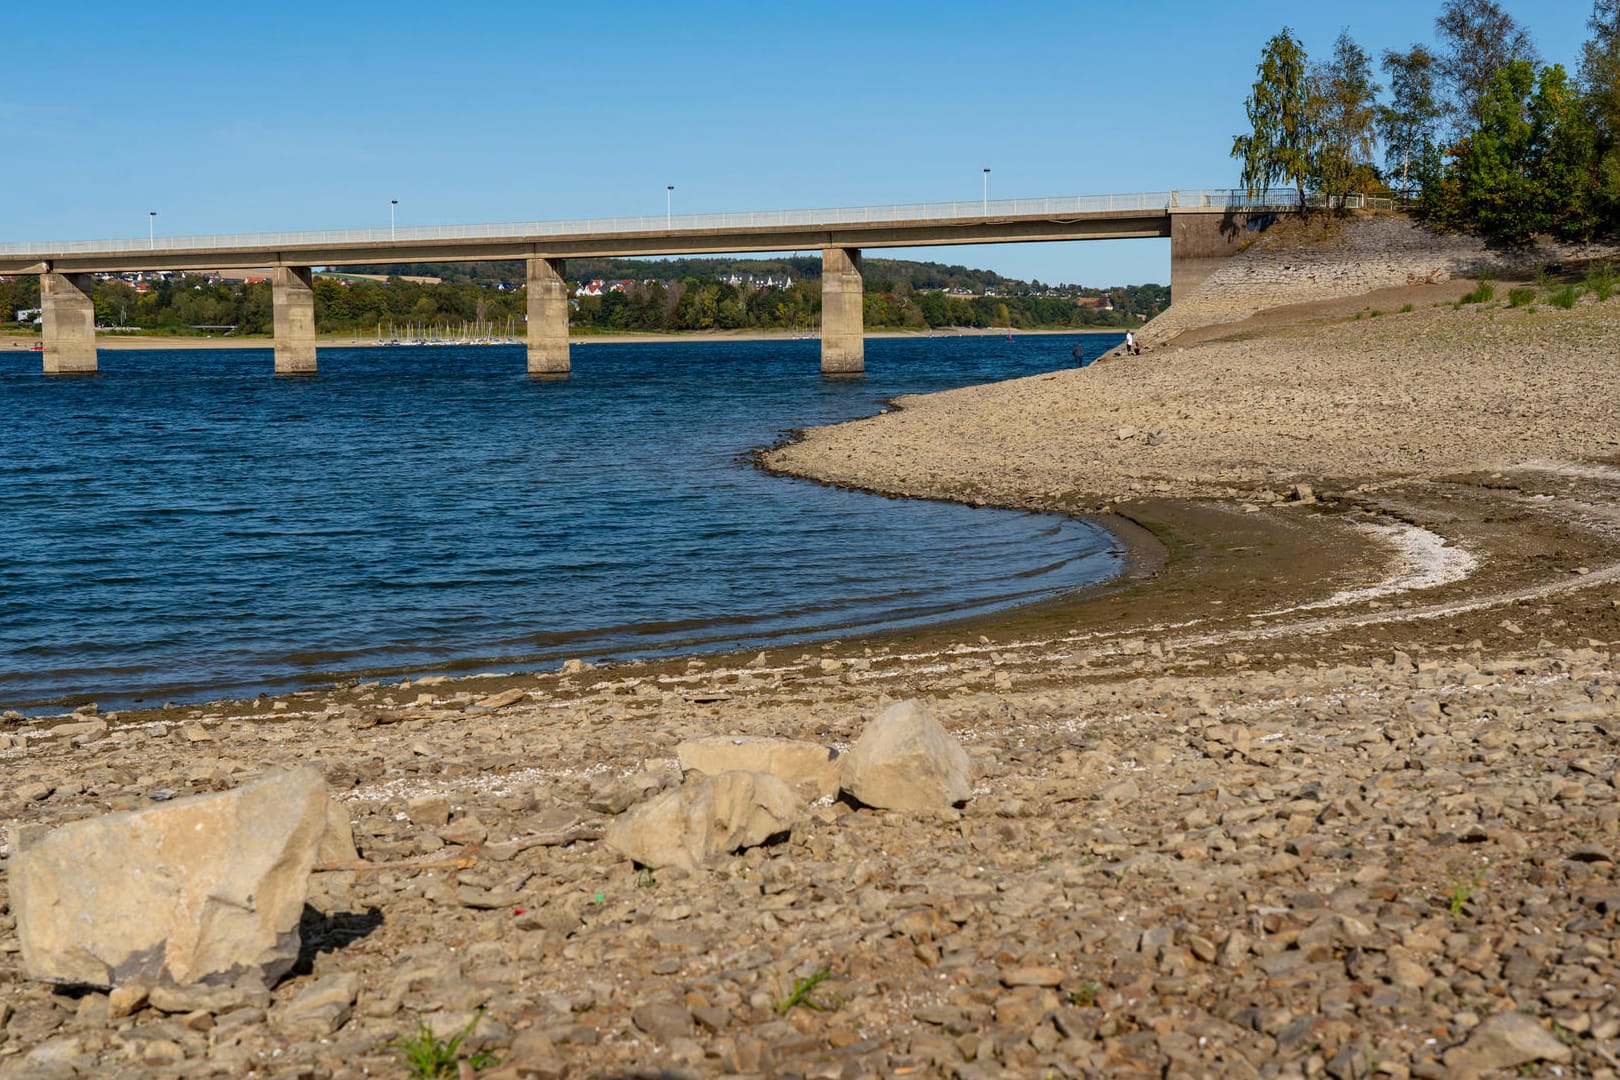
971 210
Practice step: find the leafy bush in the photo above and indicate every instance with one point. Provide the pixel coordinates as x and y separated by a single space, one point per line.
1564 297
1600 279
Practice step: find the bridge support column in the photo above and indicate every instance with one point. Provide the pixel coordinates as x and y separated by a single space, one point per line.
68 323
548 317
292 301
843 341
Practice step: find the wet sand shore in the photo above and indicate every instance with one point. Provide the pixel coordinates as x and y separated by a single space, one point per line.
1327 784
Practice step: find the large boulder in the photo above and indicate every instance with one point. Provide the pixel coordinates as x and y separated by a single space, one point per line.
198 890
809 768
705 818
905 761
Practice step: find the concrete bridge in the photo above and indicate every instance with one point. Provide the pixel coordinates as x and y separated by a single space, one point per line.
1203 227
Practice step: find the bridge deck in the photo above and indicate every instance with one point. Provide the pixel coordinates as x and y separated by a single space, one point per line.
1086 217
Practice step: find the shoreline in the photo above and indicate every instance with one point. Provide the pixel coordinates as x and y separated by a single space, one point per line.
13 344
1329 786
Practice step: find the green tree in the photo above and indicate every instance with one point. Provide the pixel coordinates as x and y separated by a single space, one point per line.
1278 146
1477 39
1600 83
1344 111
1410 123
1529 166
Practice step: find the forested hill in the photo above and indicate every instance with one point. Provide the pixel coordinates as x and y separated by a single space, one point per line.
919 275
607 295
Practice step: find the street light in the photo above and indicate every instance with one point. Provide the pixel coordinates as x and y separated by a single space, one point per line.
669 196
987 193
151 228
391 204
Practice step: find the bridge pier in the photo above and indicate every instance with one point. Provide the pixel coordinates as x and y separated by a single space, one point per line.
68 323
548 317
843 341
292 302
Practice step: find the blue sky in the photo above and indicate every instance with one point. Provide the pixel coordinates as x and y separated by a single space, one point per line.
259 118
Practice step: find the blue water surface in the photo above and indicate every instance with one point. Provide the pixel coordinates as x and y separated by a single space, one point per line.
184 525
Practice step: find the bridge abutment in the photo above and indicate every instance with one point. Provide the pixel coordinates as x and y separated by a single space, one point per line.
292 299
67 323
843 329
1201 240
548 317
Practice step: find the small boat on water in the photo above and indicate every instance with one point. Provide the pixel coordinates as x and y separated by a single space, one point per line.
38 346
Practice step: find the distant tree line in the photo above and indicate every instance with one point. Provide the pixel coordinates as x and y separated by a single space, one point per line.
1476 132
899 295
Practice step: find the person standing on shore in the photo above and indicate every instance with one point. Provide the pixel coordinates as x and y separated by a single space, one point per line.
1130 344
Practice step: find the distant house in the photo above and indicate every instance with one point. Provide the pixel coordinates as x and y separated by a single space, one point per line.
28 315
594 287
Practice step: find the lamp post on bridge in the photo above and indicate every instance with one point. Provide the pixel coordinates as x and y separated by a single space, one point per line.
392 203
986 192
151 229
669 200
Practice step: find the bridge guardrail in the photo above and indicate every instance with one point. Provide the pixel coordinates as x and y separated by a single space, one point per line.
965 210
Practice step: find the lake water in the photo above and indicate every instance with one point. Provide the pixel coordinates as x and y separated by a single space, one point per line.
185 526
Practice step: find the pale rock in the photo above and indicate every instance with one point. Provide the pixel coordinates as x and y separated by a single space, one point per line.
662 1020
214 1000
504 698
534 1055
1505 1041
198 889
1032 976
88 729
798 763
465 831
704 818
322 1007
904 760
126 1000
429 810
337 842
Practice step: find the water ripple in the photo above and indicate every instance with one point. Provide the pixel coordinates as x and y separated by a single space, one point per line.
184 525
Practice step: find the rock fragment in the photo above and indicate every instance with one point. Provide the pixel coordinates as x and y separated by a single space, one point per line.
702 819
198 889
904 760
1505 1041
807 767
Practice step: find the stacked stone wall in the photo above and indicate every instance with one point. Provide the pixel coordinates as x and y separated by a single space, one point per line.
1361 255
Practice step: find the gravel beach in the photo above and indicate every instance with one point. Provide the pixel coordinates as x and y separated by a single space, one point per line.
1326 784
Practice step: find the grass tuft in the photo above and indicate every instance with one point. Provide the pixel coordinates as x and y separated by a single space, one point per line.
1483 293
1600 279
1085 995
1458 895
428 1057
1521 296
1564 297
801 993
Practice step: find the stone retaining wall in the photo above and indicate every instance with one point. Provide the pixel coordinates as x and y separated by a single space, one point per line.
1375 251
